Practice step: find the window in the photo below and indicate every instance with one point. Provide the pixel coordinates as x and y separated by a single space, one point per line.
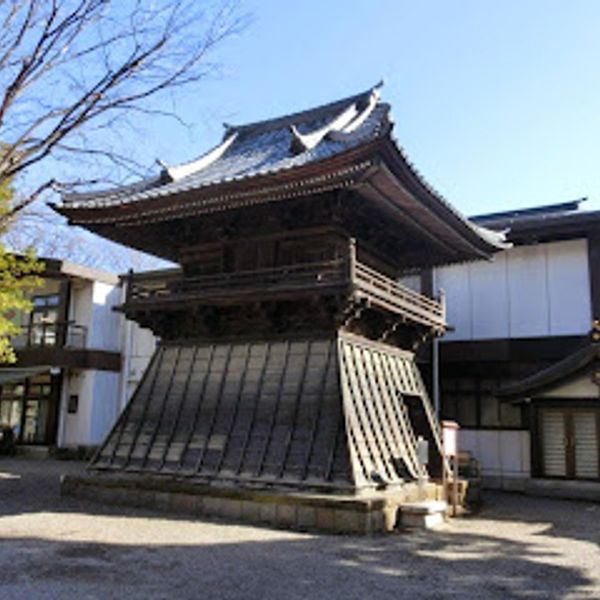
43 327
26 408
471 402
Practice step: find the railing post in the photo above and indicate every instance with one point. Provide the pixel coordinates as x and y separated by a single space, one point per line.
352 260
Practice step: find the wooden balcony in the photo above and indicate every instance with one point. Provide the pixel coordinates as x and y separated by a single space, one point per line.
384 292
344 276
51 335
61 344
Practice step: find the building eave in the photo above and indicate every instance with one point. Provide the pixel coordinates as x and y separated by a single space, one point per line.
551 376
337 172
375 164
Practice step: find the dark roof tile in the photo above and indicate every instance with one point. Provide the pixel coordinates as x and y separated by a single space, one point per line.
258 149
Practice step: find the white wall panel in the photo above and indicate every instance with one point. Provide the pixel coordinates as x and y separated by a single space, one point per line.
528 291
105 405
138 347
502 454
454 280
80 309
412 282
105 326
569 288
489 298
77 425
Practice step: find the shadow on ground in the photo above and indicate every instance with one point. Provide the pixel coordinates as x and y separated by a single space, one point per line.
53 547
572 519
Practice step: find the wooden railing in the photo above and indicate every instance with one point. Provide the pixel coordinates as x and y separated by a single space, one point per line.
291 277
347 272
391 295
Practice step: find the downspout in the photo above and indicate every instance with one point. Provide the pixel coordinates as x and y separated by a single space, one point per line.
66 312
436 375
435 353
126 351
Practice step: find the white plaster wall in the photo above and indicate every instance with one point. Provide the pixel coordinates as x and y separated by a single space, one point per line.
455 280
104 330
489 298
527 291
105 405
582 387
80 307
98 407
504 455
412 282
76 426
138 347
569 288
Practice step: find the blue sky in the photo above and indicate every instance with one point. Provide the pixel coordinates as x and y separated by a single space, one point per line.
497 103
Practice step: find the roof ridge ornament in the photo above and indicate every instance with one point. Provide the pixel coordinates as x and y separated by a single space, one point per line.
342 134
348 121
308 141
178 172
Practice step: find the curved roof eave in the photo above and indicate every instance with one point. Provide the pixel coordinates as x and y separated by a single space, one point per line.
477 234
552 375
236 169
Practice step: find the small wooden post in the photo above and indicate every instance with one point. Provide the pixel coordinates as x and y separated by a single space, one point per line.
352 260
450 447
455 486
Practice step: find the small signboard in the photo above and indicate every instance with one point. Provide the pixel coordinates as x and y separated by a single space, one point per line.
450 437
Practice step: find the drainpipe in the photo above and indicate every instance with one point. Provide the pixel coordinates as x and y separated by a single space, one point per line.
435 351
435 359
127 343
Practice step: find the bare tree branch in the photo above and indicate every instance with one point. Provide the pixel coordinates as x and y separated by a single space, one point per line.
72 69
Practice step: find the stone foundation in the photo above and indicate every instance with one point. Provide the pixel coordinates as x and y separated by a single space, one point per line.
377 512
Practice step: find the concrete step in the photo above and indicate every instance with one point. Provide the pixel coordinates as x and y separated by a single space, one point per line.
427 514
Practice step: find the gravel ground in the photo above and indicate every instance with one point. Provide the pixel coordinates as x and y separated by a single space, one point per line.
53 547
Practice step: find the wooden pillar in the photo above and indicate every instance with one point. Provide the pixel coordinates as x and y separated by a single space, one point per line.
352 260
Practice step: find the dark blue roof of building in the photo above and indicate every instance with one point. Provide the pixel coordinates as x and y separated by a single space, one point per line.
261 148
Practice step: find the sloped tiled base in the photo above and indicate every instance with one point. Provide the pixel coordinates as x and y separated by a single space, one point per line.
323 413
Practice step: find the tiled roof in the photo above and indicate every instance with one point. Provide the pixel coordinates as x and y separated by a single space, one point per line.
261 148
560 221
553 375
546 210
290 144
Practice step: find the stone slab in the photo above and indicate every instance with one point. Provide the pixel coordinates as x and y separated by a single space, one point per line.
422 521
347 514
427 507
